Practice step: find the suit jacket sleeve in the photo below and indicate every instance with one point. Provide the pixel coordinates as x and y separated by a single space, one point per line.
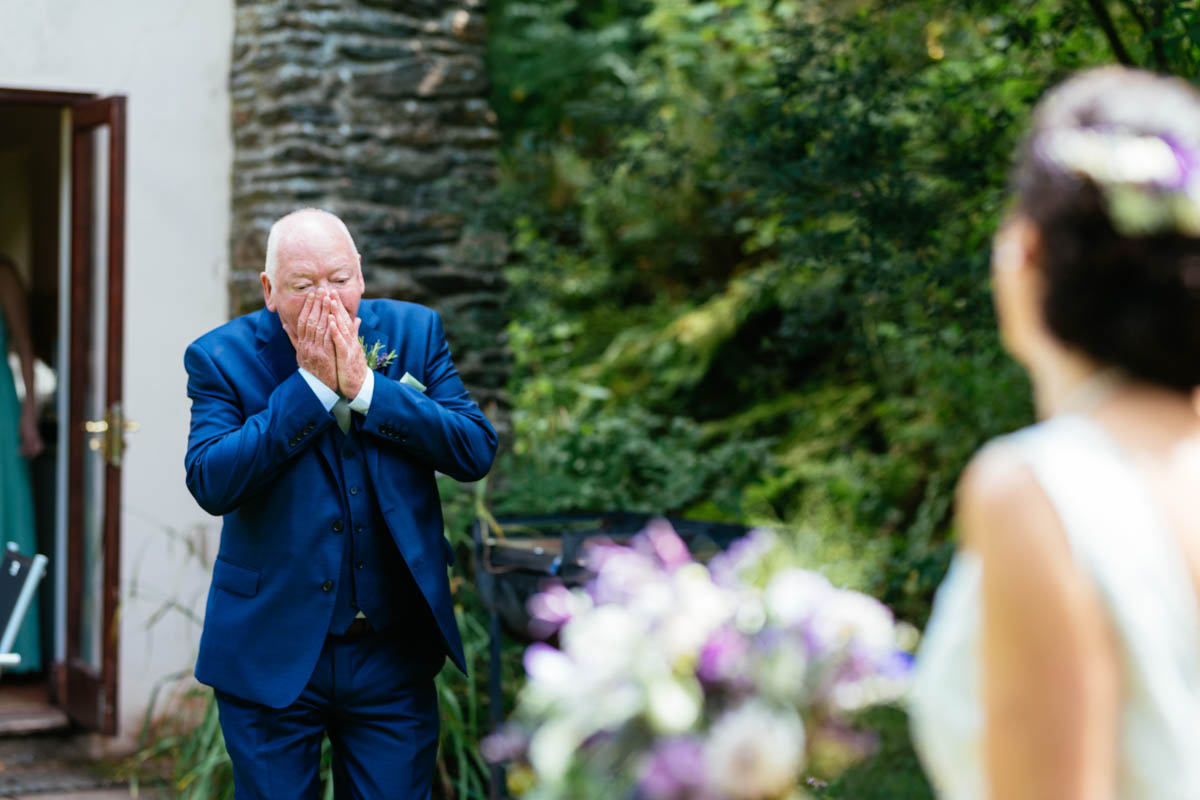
231 455
442 425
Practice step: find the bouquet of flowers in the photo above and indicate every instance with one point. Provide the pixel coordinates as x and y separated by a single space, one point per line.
676 680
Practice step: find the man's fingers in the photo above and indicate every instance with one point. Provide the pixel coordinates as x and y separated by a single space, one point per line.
323 318
339 336
302 320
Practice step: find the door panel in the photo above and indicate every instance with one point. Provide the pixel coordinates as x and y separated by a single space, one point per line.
96 425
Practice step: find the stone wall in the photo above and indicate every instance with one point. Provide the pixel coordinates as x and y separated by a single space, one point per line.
375 110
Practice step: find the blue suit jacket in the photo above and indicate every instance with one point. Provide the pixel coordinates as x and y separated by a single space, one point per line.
253 457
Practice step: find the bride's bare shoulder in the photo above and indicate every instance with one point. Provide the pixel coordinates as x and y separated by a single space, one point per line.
1002 508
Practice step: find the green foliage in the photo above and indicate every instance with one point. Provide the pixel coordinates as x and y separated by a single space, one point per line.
632 460
749 273
891 772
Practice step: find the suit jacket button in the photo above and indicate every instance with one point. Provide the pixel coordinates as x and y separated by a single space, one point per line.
327 586
338 527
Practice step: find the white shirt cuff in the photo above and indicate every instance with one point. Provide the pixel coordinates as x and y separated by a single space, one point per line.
326 395
362 403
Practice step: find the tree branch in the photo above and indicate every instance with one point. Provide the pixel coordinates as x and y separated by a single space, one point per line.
1104 20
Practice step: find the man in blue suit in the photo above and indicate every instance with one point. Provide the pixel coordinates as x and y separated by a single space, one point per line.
330 609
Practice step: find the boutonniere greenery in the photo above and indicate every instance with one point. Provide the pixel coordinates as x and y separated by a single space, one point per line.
376 357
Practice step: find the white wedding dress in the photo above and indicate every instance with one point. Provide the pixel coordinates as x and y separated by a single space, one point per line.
1120 540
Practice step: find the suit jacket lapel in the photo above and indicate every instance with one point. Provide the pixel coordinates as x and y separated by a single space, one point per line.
370 333
369 329
274 347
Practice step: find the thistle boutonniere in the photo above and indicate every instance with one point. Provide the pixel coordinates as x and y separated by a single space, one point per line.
376 358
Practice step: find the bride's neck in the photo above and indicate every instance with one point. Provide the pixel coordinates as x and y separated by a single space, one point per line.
1066 381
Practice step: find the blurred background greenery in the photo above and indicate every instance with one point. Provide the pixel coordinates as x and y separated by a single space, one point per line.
748 276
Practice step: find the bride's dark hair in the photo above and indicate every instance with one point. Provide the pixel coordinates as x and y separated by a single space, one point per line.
1110 175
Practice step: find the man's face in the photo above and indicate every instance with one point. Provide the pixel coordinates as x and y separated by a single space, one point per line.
313 259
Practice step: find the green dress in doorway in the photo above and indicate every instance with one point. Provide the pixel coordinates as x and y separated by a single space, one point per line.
16 503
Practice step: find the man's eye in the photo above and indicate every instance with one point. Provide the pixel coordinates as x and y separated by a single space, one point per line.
341 280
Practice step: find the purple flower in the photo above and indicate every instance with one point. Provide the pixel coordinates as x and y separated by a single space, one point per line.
726 567
898 664
620 573
723 657
506 744
660 541
549 610
1187 160
674 770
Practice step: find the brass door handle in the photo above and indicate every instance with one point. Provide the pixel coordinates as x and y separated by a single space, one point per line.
108 435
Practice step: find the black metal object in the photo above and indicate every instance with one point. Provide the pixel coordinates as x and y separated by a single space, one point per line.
516 556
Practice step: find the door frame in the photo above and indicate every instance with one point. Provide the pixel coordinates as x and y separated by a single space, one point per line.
89 697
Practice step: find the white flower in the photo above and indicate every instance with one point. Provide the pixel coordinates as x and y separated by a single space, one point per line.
755 752
858 617
751 614
699 608
782 671
870 691
551 750
673 705
793 594
604 640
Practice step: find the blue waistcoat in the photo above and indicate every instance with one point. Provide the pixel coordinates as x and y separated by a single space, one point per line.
374 578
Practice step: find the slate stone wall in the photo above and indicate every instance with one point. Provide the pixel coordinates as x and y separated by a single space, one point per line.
375 110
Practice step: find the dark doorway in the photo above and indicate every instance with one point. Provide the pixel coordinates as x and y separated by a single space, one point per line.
62 175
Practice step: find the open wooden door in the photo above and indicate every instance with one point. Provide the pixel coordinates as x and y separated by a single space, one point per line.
96 423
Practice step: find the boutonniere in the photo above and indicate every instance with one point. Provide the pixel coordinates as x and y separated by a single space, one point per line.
376 358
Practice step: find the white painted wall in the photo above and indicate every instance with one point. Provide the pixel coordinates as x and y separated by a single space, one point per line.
171 59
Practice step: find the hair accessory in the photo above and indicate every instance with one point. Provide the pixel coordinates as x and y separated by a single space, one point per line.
1150 184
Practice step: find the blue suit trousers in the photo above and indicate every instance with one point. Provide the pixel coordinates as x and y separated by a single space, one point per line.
375 699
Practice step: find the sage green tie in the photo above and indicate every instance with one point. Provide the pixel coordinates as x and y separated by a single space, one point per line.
341 413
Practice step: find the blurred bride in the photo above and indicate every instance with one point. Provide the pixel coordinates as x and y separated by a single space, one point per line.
1062 659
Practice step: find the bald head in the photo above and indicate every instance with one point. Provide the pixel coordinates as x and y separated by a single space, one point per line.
299 229
310 251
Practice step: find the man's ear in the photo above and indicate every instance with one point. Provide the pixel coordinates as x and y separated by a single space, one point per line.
266 286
